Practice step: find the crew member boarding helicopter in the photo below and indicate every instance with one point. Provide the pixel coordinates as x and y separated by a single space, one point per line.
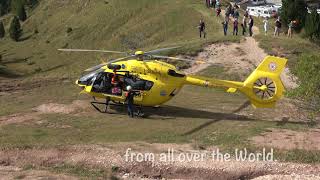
158 81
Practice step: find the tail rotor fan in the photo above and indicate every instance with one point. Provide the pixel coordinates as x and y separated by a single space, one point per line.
264 88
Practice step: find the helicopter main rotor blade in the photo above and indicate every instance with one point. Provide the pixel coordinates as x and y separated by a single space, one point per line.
173 58
161 50
91 50
95 67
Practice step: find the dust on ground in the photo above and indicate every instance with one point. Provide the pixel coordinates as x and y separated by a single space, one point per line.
288 139
112 155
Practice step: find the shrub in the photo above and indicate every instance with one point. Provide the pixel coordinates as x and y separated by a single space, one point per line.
294 10
312 26
15 29
2 31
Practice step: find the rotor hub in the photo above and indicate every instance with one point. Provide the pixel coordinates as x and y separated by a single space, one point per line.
139 53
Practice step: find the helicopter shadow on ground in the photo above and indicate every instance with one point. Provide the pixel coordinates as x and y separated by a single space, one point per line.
168 112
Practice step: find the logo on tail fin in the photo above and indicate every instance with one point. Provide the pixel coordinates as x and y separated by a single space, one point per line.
273 66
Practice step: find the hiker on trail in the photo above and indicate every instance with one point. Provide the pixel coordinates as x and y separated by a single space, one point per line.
207 3
265 25
213 4
246 14
218 11
232 10
290 25
225 25
228 11
250 25
236 13
277 27
235 27
202 28
218 3
244 25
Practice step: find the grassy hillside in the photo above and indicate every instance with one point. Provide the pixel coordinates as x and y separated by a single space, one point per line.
98 24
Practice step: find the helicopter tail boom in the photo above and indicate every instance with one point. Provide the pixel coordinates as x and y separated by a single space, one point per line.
263 87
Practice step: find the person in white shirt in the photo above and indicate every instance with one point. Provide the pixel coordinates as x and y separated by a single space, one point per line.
265 25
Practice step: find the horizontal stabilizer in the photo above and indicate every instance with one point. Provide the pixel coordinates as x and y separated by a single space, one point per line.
231 90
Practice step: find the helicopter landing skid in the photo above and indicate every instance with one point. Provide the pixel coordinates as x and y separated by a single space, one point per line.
94 104
138 113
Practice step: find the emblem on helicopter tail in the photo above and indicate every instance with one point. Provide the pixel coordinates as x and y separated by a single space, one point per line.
272 66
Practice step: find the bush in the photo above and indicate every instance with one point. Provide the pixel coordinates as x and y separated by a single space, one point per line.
312 27
307 70
15 30
4 7
294 10
2 31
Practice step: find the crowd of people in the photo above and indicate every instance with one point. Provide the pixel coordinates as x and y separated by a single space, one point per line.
232 17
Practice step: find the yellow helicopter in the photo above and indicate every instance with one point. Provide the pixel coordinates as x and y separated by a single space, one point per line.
158 81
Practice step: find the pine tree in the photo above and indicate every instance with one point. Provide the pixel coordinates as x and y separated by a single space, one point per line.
294 10
312 26
21 12
15 29
2 31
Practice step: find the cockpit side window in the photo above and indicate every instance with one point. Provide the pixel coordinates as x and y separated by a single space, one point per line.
138 84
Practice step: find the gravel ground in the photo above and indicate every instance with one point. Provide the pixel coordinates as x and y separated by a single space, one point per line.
114 155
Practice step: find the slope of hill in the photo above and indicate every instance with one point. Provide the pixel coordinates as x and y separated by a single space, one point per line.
97 24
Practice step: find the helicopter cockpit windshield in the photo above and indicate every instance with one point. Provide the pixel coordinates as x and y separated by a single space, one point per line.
87 79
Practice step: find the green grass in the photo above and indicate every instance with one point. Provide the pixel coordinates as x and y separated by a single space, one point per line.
118 25
307 69
220 72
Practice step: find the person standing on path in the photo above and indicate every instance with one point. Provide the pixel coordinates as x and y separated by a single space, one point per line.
235 27
244 25
202 28
265 25
225 25
290 25
251 23
277 27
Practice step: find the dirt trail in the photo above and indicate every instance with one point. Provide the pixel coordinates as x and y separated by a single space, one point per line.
106 156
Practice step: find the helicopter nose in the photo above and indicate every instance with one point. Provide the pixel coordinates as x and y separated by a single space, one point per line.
80 83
